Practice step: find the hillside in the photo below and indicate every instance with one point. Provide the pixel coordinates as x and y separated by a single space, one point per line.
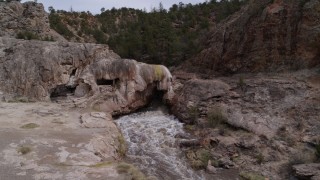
161 36
26 21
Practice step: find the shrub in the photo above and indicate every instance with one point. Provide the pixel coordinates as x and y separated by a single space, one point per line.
136 174
260 158
204 156
122 148
24 150
215 117
193 113
199 159
27 35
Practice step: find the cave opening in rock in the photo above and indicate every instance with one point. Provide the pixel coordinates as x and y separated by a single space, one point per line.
61 91
103 81
73 73
157 99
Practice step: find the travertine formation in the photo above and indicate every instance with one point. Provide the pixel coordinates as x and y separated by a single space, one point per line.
99 78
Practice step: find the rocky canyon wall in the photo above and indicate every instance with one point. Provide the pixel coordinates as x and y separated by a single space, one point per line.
264 36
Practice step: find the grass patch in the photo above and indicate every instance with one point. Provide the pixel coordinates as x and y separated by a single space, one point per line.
193 113
189 127
251 176
24 150
136 174
215 117
102 164
30 126
204 156
260 158
200 158
19 100
122 147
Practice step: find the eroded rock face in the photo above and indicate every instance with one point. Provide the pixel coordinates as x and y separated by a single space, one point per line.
93 73
264 36
307 171
270 120
259 104
30 17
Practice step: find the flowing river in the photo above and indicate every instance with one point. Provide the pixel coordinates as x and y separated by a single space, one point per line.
152 145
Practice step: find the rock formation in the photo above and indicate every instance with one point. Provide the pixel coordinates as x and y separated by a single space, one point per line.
269 119
265 35
30 17
98 77
307 171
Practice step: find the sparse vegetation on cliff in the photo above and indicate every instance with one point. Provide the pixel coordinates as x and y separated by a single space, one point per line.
215 117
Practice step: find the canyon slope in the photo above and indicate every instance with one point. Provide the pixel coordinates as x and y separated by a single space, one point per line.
263 36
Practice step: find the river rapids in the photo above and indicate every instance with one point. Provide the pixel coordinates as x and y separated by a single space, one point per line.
152 145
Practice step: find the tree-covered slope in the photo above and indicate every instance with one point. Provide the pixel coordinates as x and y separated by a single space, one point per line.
162 36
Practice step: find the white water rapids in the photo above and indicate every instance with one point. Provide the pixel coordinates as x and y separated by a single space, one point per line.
152 145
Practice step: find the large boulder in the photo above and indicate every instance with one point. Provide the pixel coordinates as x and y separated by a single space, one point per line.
307 171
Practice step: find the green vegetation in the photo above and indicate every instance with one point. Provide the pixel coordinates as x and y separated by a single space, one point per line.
160 36
204 156
215 117
30 126
260 158
27 35
136 174
251 176
199 158
24 150
57 24
19 100
193 113
158 72
122 147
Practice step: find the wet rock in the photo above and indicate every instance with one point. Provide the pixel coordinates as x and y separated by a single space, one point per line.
182 136
189 143
308 171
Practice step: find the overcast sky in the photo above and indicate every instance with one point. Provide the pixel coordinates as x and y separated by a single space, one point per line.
95 5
